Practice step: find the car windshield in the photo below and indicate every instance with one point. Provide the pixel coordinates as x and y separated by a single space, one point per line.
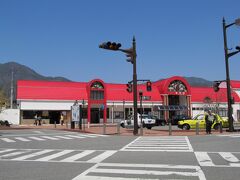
199 117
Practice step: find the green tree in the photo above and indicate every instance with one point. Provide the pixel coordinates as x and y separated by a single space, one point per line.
3 100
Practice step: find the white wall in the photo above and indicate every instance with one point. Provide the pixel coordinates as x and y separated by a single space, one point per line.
11 115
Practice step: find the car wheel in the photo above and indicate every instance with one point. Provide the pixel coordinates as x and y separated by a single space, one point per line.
149 127
216 126
186 127
163 123
122 125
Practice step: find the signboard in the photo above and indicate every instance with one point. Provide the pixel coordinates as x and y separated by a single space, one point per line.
75 113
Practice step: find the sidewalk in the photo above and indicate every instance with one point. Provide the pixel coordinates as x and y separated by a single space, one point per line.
111 129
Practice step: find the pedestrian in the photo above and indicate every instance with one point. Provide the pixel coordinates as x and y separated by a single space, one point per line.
36 119
62 119
39 120
209 118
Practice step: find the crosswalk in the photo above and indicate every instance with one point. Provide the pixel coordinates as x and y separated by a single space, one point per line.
218 159
49 137
163 143
55 155
118 171
230 135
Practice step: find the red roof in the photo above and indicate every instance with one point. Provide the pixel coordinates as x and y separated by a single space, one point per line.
235 84
200 93
51 90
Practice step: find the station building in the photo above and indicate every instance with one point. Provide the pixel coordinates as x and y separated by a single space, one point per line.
110 102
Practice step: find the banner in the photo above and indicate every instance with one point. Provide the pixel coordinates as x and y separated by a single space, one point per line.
76 113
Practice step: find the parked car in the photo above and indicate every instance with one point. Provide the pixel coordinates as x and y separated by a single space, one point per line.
159 122
191 124
147 120
176 118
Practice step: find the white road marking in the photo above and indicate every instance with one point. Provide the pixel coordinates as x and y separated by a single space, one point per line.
63 137
203 159
101 157
12 154
149 169
77 156
7 140
173 143
37 138
229 157
22 139
49 137
53 156
7 150
75 136
32 155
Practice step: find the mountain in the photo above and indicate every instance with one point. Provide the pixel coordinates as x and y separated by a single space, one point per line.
20 72
195 81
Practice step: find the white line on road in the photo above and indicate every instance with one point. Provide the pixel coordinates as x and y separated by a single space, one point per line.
32 155
22 139
203 159
53 156
77 156
7 140
101 157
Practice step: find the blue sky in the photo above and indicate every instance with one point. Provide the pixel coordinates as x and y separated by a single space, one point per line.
61 37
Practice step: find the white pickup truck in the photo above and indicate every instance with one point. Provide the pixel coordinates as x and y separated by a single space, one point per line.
147 121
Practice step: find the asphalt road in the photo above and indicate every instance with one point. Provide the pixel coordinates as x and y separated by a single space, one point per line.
60 155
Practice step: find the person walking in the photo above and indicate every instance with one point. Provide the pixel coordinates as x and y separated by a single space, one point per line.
62 119
209 117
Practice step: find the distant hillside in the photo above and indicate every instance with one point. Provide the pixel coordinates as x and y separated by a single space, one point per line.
195 81
20 72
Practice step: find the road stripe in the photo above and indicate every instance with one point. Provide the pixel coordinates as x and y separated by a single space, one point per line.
77 156
74 136
22 139
53 156
203 159
103 169
37 138
48 137
229 157
7 140
87 135
101 157
32 155
6 150
63 137
12 154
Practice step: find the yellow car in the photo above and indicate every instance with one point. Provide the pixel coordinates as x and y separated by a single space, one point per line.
191 124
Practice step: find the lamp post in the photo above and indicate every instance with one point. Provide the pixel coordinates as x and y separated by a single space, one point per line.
228 55
131 53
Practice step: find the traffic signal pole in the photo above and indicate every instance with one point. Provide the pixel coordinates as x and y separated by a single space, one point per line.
230 119
135 130
131 53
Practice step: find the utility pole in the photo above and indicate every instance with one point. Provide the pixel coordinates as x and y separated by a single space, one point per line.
11 98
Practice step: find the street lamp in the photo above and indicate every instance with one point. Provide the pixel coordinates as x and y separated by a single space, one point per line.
131 54
228 55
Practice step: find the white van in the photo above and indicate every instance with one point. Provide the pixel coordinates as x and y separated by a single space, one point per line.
147 121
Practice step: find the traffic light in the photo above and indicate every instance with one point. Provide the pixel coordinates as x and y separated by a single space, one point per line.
110 46
149 86
129 87
216 86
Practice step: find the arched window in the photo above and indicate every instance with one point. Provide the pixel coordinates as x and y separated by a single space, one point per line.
97 91
177 86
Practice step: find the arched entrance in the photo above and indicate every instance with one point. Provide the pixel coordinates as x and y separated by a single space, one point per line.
97 109
176 92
